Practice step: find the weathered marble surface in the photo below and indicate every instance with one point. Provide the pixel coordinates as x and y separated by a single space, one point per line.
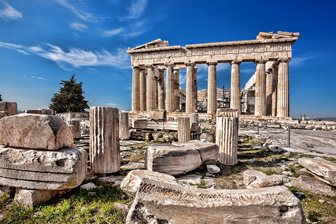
161 202
34 131
180 158
45 170
313 185
131 183
324 169
30 198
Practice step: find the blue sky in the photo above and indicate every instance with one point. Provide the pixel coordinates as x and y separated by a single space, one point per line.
42 42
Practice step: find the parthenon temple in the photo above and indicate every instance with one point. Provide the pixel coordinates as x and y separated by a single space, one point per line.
156 74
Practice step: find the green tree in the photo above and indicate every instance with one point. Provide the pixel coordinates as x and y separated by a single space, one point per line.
70 98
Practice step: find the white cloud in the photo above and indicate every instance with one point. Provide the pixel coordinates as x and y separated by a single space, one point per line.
74 56
136 9
78 26
9 13
82 14
136 29
298 61
38 77
111 33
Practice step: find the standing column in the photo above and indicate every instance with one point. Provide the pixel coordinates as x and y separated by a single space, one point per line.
135 89
183 129
283 89
142 90
104 140
227 125
123 126
150 90
194 103
170 88
189 88
155 89
161 97
235 86
275 87
177 89
269 86
260 90
212 89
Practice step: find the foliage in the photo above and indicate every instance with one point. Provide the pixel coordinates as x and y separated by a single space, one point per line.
77 206
70 98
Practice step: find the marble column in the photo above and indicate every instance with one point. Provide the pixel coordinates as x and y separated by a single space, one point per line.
170 88
269 86
235 86
150 88
161 90
227 126
260 90
135 89
104 152
189 88
283 89
123 126
177 89
194 104
212 89
155 90
142 90
275 87
183 129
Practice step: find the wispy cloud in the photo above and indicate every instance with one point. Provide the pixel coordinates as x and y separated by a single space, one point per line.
74 56
9 13
298 61
38 77
77 10
137 28
78 26
111 33
136 9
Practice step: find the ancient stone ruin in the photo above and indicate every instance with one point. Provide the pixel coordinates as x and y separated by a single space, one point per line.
38 157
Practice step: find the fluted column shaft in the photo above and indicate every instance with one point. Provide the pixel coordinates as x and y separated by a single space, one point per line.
235 86
189 88
274 93
260 90
183 129
227 125
194 104
161 94
150 88
135 89
142 90
269 86
123 126
155 89
212 89
283 90
170 89
104 150
177 89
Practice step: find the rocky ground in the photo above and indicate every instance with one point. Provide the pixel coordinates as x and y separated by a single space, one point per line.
102 201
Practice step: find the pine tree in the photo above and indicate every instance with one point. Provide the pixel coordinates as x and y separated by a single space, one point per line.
70 98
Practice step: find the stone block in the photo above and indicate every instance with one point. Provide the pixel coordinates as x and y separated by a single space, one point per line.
132 181
34 131
180 158
30 198
162 202
44 170
251 175
267 181
320 167
313 185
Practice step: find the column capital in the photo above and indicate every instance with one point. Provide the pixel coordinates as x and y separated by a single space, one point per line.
212 62
150 66
190 63
283 59
136 66
235 62
261 61
169 64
